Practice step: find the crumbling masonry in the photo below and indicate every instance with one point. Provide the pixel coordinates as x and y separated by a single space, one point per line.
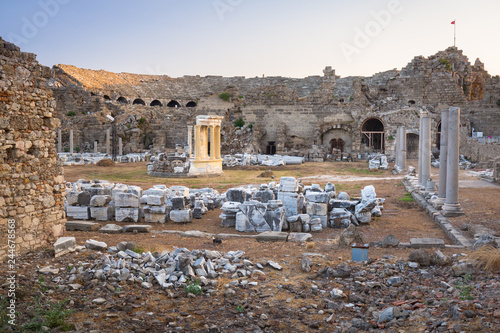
32 187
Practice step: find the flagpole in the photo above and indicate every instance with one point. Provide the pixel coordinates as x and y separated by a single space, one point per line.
454 33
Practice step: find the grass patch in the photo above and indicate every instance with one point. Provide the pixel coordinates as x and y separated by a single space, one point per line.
138 249
36 315
407 198
487 258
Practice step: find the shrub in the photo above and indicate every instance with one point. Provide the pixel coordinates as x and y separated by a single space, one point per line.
142 120
194 288
70 113
445 62
250 125
105 162
487 258
239 122
225 96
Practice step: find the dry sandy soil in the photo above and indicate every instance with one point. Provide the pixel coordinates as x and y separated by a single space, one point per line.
404 220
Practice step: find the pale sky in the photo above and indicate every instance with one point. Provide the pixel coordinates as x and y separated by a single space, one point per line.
293 38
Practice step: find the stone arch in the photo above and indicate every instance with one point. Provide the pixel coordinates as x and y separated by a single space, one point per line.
106 98
122 100
173 104
337 138
138 101
411 102
155 103
191 104
373 135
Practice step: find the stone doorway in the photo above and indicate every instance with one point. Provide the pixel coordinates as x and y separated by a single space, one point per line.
337 144
271 148
372 134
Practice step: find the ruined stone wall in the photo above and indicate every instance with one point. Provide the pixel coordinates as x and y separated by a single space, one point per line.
31 182
294 114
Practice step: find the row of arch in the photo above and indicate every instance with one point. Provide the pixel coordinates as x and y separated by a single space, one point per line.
139 101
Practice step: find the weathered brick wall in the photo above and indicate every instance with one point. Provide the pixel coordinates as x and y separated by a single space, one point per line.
31 182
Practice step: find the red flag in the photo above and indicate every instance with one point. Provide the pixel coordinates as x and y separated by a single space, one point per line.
453 22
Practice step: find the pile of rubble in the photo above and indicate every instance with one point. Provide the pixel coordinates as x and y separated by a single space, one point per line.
267 160
291 206
105 201
91 158
169 269
378 161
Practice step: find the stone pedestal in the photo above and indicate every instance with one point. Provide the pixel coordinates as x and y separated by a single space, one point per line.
451 206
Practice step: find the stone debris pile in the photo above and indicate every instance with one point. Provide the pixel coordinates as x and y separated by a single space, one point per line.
291 206
93 158
268 160
378 161
169 269
104 201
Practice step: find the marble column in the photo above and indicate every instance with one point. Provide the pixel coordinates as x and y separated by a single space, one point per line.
197 135
217 142
402 148
190 140
59 140
96 150
426 152
71 141
451 206
108 141
420 136
120 146
212 142
443 159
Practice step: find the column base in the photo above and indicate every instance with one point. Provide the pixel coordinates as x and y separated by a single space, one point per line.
450 210
438 203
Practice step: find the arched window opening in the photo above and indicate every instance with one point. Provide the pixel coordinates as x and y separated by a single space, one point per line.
372 134
122 100
173 104
191 104
155 103
138 101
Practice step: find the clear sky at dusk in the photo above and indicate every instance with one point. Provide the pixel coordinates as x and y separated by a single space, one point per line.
249 37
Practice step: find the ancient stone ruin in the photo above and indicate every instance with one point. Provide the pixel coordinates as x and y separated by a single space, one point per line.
32 185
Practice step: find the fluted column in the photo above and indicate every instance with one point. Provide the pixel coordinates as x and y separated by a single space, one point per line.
451 206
